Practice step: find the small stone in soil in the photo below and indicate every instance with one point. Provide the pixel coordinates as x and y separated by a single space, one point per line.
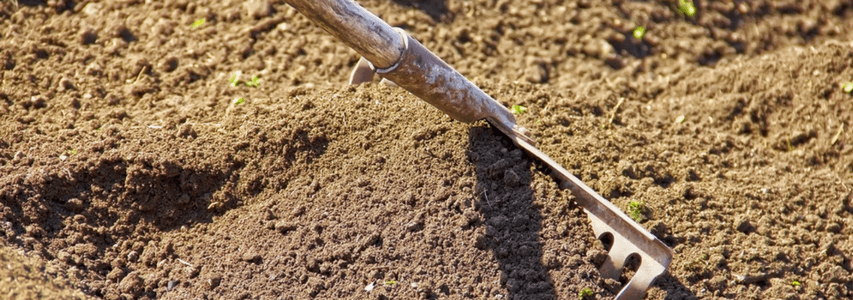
251 256
74 204
414 226
284 226
169 64
214 281
258 8
192 272
132 256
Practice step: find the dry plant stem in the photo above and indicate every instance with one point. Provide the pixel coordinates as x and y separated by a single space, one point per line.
837 134
615 110
140 74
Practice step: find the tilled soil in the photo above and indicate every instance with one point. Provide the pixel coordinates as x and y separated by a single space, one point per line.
23 278
136 164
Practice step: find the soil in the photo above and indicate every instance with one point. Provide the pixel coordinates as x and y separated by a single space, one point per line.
135 164
24 278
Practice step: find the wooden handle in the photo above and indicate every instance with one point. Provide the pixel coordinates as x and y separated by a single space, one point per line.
360 29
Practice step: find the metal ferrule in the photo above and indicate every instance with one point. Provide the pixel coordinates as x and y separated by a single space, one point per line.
423 74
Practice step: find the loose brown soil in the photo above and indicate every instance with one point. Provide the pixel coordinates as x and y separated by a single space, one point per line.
133 168
23 278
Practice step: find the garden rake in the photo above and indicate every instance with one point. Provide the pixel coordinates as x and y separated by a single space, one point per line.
399 58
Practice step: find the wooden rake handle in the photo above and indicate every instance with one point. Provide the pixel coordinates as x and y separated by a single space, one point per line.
398 57
359 29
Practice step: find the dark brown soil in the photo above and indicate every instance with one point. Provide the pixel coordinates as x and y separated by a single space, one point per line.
131 167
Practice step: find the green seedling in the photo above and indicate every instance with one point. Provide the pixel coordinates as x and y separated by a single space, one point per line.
585 292
847 88
390 282
795 283
198 23
636 209
518 109
680 119
639 32
686 7
239 101
254 82
235 79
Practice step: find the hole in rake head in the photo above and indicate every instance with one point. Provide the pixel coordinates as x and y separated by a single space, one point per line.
606 240
632 263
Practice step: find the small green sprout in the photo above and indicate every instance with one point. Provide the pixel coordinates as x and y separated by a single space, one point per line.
847 88
235 79
198 23
254 82
239 101
636 209
680 119
390 282
686 7
639 32
795 283
585 292
72 151
518 109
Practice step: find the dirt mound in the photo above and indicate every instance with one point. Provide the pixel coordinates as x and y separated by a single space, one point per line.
24 278
313 196
183 149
